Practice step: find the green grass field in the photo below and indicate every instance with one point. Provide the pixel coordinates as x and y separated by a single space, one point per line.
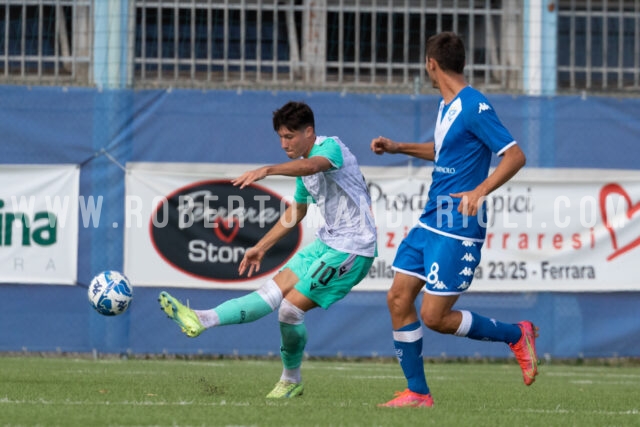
64 391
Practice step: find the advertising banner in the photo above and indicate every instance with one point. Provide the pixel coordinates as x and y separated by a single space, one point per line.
547 230
39 223
188 226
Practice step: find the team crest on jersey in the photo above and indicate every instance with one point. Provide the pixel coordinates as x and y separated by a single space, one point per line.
483 106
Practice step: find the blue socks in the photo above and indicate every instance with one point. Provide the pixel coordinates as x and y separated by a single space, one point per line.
408 344
482 328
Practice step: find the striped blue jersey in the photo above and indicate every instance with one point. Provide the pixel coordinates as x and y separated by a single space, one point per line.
467 132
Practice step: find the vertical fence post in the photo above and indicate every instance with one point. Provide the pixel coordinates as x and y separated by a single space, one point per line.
111 58
315 40
540 47
112 136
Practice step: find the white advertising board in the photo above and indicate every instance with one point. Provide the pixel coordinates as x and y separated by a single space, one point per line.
547 230
39 223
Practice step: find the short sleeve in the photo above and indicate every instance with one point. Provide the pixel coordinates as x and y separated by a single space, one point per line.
485 124
329 149
302 194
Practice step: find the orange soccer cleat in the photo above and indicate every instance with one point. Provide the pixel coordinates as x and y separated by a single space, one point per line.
525 351
408 398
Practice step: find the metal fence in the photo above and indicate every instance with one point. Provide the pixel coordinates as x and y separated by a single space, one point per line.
364 45
45 42
600 45
353 44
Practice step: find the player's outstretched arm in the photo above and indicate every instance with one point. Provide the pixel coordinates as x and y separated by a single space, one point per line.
253 256
298 167
420 150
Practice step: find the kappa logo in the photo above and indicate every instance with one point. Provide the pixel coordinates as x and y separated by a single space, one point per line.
467 243
464 285
468 257
466 272
483 106
439 285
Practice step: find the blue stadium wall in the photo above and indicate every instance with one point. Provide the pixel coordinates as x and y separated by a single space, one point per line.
48 125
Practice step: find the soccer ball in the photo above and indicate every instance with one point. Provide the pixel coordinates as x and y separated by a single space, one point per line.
110 293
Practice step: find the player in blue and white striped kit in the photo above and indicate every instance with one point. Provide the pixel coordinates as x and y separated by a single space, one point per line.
441 252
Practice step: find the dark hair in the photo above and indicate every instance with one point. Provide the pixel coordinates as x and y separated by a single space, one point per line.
447 49
293 116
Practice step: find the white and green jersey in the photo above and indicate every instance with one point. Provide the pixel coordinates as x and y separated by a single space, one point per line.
342 197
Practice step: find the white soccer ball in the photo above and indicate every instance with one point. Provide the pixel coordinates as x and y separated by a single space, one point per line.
110 293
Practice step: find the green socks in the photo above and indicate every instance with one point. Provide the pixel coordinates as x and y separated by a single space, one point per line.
294 339
242 310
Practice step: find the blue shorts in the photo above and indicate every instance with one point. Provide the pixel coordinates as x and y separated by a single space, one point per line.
446 264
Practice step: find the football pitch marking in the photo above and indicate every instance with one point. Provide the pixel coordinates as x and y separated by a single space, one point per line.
598 374
596 382
376 377
558 410
7 401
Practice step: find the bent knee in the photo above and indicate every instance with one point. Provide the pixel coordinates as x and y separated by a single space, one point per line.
398 302
444 323
433 322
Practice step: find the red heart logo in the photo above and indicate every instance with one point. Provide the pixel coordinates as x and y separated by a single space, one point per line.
632 209
226 230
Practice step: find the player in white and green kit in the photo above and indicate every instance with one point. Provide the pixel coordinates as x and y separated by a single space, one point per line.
321 273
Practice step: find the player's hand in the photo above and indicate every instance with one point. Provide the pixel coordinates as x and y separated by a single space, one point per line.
251 261
381 145
249 177
470 202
